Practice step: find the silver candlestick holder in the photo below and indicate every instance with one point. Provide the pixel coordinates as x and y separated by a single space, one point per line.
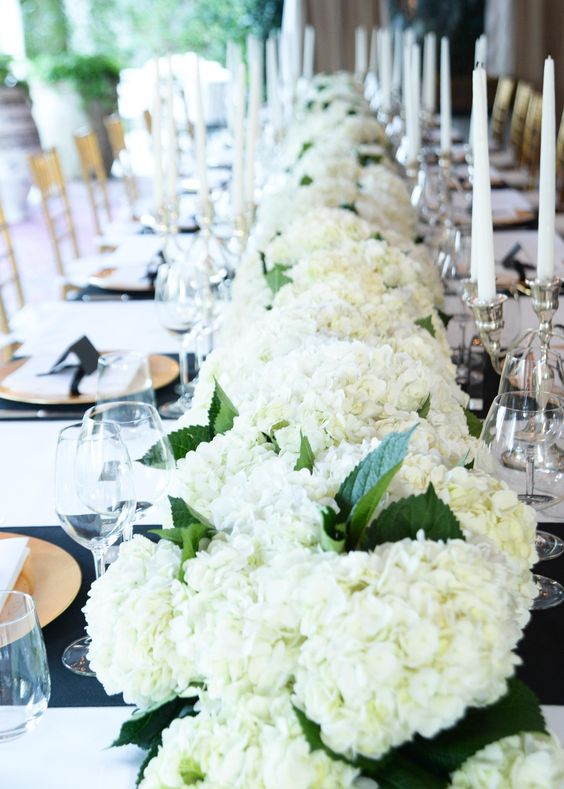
488 316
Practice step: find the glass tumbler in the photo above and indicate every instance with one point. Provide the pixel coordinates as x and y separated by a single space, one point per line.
25 685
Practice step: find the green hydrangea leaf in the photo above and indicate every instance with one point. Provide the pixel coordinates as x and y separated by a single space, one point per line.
423 412
474 423
426 323
391 452
304 149
349 207
145 726
221 413
516 712
306 457
306 180
377 236
364 159
276 278
404 518
332 535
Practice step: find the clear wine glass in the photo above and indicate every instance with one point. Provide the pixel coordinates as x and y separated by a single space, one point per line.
94 501
141 430
25 684
454 260
184 302
516 427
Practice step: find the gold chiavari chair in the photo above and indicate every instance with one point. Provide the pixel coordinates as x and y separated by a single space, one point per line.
523 96
501 107
11 277
94 176
560 164
114 127
48 177
530 149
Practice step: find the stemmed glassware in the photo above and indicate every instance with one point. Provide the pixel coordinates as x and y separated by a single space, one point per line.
94 501
142 431
454 262
516 428
184 301
25 686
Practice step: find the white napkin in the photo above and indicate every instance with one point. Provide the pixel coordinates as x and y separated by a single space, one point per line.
507 202
27 379
13 553
506 239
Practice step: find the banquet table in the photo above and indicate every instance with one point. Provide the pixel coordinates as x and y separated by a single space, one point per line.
73 737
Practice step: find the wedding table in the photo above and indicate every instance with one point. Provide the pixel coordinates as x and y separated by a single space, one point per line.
73 737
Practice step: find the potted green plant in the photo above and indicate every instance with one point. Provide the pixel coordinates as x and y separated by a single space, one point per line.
93 79
18 138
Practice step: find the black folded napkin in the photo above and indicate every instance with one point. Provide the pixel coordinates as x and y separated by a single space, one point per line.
87 362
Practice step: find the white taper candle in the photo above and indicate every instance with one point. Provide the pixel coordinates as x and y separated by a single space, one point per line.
361 51
200 127
547 182
252 132
482 256
157 141
273 83
430 66
396 71
446 111
171 137
237 189
385 61
309 53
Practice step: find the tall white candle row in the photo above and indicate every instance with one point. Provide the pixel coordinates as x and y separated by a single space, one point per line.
273 84
237 187
385 68
309 53
200 129
411 91
253 126
446 111
361 52
429 69
482 253
163 127
547 179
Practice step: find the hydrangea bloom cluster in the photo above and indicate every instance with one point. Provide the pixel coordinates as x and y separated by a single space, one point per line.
374 647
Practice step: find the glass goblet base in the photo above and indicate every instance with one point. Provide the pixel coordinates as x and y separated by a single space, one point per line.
548 545
75 657
535 499
178 408
549 593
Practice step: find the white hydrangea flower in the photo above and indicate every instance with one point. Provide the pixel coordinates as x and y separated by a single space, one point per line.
524 761
432 632
128 613
258 743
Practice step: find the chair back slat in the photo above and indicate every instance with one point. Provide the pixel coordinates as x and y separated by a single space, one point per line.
12 276
94 176
47 175
530 149
114 127
523 96
501 107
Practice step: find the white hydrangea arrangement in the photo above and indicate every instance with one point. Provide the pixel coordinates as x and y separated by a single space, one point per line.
335 593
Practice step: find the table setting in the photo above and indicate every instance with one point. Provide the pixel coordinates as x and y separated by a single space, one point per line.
294 516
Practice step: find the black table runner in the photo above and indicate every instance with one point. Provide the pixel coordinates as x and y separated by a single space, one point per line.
541 647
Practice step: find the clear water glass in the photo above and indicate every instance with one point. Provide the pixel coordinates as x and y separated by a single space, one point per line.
94 501
25 685
124 375
141 430
185 307
516 428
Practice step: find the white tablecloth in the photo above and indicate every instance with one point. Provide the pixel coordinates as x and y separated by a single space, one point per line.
67 750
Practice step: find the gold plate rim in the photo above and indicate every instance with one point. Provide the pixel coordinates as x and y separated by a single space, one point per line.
48 558
97 279
163 371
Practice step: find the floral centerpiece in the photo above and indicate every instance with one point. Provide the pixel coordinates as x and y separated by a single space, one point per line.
336 595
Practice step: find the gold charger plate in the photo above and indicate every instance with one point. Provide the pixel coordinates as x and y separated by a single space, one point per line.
101 280
50 575
163 372
519 218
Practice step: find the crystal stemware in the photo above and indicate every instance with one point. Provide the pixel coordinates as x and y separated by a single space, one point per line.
184 302
142 432
94 501
516 427
454 261
25 684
